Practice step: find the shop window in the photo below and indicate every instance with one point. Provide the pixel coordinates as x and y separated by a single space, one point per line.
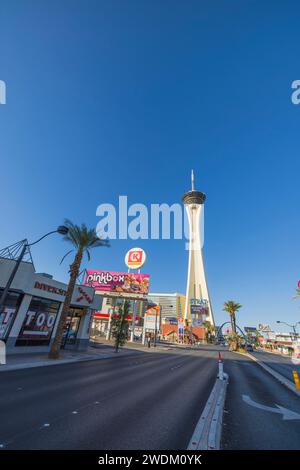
72 326
9 312
38 323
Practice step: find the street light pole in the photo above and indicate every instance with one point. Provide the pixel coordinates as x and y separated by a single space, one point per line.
61 229
11 278
155 332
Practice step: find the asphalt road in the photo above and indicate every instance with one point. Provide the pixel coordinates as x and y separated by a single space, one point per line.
281 364
246 426
148 401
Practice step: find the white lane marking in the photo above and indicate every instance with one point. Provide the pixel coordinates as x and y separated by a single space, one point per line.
74 412
46 425
286 414
176 367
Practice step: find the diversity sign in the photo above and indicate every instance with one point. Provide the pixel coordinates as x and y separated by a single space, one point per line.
111 281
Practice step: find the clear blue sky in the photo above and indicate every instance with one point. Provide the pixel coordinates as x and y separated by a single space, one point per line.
125 97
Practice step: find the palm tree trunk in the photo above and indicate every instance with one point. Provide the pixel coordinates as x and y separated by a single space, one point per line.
75 267
120 331
234 323
231 321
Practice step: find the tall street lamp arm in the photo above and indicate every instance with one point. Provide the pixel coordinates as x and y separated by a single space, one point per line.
44 236
291 326
284 323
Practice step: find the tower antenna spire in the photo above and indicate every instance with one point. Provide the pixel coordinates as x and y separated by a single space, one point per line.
192 178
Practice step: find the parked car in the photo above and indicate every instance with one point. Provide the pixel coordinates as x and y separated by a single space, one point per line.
249 347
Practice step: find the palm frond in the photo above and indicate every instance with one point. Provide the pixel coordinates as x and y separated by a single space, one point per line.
297 293
63 258
231 306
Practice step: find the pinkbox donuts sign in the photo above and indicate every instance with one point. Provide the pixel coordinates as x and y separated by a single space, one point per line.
118 282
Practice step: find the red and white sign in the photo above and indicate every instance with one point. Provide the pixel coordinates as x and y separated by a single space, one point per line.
135 258
83 295
107 315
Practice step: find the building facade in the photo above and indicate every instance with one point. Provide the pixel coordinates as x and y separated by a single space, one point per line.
111 304
172 304
33 307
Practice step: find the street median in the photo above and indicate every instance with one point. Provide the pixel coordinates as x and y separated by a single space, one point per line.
207 434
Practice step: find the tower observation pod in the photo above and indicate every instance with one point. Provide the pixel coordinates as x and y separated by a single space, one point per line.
196 290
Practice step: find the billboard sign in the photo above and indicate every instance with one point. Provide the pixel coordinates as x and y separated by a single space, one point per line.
111 281
196 309
265 328
180 326
152 319
202 302
197 321
135 258
199 311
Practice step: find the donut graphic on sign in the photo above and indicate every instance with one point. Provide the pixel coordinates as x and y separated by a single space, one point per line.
135 258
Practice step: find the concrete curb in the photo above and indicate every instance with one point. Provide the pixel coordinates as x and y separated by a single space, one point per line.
207 434
283 380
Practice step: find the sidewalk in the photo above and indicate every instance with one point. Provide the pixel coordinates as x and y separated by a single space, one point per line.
274 352
94 352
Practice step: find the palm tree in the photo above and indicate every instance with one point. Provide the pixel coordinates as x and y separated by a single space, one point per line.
83 240
210 330
232 307
120 326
